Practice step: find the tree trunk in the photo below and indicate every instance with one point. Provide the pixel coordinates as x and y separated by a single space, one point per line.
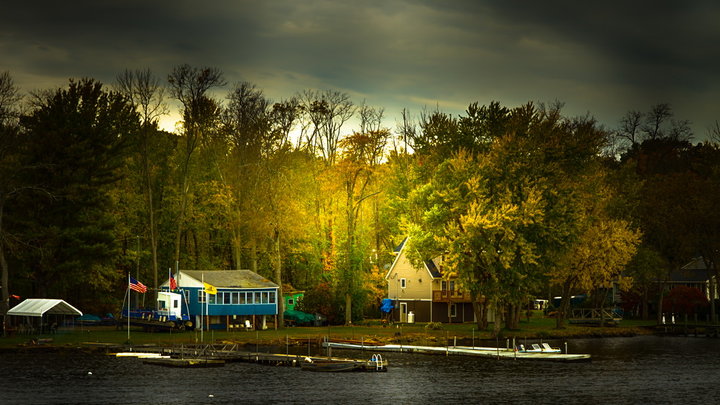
499 319
5 295
236 248
660 304
253 255
564 305
348 308
278 279
645 306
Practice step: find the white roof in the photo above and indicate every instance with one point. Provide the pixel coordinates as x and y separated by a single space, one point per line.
42 306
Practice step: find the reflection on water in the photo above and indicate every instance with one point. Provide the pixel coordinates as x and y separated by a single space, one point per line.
624 370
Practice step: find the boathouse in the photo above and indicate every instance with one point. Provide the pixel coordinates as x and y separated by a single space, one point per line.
423 294
244 299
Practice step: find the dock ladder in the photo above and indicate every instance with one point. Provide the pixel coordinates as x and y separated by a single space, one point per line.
377 358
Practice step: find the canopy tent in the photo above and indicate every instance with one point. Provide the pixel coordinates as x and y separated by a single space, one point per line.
42 306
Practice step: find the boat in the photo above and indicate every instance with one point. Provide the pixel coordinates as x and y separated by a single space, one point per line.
376 363
329 365
536 348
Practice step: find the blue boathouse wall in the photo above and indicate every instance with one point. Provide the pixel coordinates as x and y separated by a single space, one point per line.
233 301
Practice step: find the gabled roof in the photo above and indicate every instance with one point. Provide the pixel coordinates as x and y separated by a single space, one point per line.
433 269
693 272
400 247
42 306
225 279
696 263
430 265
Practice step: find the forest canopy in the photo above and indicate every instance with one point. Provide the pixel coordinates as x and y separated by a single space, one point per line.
519 201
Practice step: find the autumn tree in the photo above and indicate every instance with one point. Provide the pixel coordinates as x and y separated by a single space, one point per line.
481 231
361 155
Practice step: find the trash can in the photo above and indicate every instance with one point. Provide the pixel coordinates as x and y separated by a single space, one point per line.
411 317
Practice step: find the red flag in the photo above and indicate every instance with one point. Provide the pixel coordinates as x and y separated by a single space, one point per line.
173 283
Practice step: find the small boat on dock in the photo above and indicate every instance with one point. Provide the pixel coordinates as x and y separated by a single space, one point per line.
376 363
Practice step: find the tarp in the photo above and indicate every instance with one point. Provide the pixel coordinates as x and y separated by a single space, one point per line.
299 316
387 305
41 306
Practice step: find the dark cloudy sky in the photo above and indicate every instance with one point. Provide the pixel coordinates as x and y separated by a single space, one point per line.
604 58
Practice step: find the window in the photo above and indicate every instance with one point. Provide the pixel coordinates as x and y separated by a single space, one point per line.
272 297
250 299
212 299
403 283
443 286
241 298
291 301
227 297
258 298
265 297
236 298
453 310
201 296
176 303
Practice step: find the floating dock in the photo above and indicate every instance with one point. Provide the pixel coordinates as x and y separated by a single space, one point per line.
491 352
184 363
218 355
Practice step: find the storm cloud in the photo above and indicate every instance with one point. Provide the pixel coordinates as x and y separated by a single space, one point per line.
603 58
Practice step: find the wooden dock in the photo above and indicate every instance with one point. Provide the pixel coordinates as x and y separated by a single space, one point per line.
184 363
490 352
217 355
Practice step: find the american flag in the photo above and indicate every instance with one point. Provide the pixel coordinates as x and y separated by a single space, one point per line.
137 286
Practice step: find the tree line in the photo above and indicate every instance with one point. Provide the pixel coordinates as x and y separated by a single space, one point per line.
519 202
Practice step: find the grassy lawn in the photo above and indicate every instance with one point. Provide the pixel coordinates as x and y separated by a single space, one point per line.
418 333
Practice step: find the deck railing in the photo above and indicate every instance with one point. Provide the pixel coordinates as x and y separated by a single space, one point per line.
450 296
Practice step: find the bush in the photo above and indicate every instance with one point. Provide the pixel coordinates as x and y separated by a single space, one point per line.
434 326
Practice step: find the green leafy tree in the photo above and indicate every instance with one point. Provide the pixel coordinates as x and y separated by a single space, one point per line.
78 142
481 232
11 183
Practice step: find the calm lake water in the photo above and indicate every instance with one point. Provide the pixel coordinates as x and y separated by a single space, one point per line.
640 370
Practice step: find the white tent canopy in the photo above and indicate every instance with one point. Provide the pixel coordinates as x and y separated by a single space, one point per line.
41 306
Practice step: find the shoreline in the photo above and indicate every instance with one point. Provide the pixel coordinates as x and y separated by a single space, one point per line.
286 337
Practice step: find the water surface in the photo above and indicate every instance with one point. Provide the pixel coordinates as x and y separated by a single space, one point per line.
640 370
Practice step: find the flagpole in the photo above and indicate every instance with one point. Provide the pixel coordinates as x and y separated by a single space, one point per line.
128 307
202 316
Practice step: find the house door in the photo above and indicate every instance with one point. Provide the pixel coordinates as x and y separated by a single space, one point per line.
403 312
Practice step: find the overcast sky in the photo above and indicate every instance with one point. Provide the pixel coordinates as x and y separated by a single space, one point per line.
604 59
